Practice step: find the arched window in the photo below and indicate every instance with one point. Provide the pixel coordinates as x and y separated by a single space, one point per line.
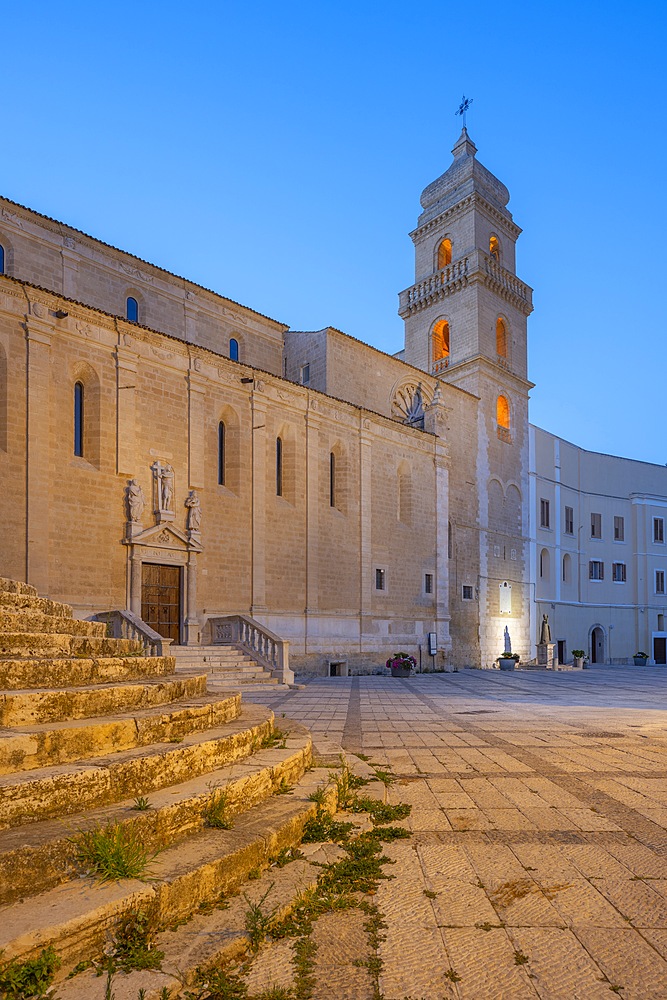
503 413
501 338
78 419
444 253
234 349
567 568
544 564
494 248
221 453
132 310
332 480
2 259
279 467
440 343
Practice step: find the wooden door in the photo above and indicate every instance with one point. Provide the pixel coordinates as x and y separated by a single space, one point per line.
161 599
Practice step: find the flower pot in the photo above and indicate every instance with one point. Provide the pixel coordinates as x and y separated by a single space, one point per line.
399 669
640 661
506 663
578 662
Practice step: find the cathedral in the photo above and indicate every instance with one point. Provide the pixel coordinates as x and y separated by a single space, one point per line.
212 473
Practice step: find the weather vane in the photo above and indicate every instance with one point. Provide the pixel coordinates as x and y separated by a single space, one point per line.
463 107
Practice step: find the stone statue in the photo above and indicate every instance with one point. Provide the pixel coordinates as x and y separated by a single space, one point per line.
166 487
508 641
194 511
136 501
545 634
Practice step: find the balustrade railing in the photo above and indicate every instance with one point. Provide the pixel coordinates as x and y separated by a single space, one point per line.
456 275
439 366
127 625
505 278
263 645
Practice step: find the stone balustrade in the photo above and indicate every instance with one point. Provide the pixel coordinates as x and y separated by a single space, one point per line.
455 276
127 625
264 645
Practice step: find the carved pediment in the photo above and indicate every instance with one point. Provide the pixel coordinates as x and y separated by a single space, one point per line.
165 536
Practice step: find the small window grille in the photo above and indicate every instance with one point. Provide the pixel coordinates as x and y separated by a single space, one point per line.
380 579
428 583
467 592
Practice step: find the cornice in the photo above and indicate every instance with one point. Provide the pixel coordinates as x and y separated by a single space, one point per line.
460 208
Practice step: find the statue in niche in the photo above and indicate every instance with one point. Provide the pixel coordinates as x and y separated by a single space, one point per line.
545 634
193 504
136 501
164 485
508 641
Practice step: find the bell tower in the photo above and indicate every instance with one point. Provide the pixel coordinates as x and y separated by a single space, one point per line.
466 324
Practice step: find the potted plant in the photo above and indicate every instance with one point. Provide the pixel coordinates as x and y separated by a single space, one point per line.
508 661
401 664
640 658
579 655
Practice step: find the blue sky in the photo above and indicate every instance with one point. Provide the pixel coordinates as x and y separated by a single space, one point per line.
276 153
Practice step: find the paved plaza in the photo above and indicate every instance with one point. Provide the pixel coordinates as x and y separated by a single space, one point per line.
538 861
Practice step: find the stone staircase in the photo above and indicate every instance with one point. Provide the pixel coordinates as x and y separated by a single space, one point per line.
98 740
223 665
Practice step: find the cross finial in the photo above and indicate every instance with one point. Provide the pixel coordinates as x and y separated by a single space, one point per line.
463 107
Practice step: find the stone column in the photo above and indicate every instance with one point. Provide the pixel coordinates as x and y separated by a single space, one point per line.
135 581
126 380
38 350
435 421
196 429
259 445
191 624
313 424
365 527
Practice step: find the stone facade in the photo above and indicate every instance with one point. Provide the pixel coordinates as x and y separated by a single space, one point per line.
350 501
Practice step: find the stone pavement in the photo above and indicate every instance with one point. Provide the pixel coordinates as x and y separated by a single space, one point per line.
538 861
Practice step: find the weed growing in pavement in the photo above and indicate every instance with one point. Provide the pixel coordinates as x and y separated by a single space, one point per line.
112 852
141 803
520 958
254 874
277 738
322 827
29 980
257 922
285 856
216 984
216 809
379 812
453 976
430 894
133 945
283 788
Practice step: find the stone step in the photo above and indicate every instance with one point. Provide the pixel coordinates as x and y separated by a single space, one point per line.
48 744
77 671
51 792
40 644
28 620
76 918
34 706
36 858
21 602
16 587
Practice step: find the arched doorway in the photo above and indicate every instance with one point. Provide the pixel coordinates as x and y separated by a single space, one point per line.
597 645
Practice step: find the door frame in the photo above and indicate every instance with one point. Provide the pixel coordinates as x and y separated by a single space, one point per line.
181 576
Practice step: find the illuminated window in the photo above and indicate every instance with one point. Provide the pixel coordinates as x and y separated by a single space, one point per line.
444 254
494 247
233 349
501 338
440 340
503 418
279 467
78 419
132 310
221 453
2 259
